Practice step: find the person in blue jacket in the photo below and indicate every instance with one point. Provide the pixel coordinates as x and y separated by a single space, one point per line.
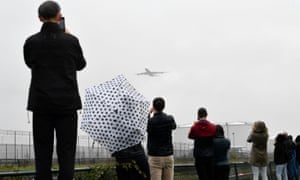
221 149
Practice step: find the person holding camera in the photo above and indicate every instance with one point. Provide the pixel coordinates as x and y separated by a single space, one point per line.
54 57
258 153
203 132
159 144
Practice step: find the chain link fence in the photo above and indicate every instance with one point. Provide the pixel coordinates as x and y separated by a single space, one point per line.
17 147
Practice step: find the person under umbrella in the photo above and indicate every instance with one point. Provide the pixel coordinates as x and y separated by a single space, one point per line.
115 116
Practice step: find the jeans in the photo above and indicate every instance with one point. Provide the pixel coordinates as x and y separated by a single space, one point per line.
292 169
161 167
281 169
259 170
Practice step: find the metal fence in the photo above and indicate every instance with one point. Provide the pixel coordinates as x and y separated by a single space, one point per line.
17 147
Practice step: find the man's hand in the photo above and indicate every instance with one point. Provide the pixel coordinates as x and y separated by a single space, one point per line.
151 110
67 31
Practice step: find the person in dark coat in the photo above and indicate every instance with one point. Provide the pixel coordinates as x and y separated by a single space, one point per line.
221 149
280 157
297 141
292 168
132 163
203 132
53 56
160 142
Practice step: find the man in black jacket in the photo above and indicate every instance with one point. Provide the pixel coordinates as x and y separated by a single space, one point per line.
53 57
159 144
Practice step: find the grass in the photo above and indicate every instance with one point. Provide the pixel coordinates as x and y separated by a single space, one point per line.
106 170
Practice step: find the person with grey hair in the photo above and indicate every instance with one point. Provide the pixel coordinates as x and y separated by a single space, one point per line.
54 57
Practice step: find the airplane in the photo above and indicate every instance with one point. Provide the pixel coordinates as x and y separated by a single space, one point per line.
150 73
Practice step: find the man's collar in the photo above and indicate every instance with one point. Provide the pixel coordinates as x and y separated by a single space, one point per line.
157 113
51 27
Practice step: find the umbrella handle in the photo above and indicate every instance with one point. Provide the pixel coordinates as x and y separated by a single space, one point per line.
28 117
93 144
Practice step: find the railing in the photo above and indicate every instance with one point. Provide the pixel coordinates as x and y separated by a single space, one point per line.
32 173
235 171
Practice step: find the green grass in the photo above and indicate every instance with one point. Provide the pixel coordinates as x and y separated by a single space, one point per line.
9 167
105 170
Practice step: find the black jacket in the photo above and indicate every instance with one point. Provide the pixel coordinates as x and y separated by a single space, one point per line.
130 152
53 57
159 128
204 147
298 152
281 152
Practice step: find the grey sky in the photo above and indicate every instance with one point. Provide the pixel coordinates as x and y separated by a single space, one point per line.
240 59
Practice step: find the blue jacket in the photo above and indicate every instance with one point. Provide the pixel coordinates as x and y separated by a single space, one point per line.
221 148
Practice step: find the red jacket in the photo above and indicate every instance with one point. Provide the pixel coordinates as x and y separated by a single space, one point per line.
202 128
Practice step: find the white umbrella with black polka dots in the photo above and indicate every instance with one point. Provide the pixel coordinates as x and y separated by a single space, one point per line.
115 114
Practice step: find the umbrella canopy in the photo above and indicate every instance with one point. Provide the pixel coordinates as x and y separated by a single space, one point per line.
115 114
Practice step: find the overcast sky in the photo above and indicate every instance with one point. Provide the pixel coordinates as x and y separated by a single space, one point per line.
239 59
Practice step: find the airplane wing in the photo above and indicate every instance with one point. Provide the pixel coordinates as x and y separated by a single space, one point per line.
156 72
150 73
143 73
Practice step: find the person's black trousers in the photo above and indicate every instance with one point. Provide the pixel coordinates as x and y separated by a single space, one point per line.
65 127
222 172
205 168
133 167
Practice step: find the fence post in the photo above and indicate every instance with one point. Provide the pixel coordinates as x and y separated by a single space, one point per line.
29 149
270 171
236 171
6 152
22 153
89 149
78 149
15 139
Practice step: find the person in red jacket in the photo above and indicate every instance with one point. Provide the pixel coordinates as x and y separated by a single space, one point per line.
203 132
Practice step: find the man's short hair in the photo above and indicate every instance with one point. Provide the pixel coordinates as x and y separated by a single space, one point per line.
48 9
159 104
202 112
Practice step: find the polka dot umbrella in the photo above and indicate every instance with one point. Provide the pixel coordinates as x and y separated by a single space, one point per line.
115 114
